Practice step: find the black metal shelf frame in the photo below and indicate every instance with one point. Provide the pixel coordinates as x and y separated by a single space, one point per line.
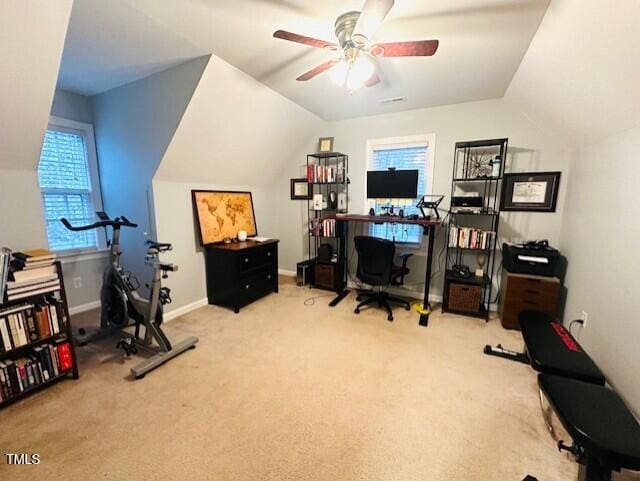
339 241
489 188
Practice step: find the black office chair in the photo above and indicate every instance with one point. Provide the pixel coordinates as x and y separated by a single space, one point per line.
375 267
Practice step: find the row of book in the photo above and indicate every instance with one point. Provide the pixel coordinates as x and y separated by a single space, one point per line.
325 173
41 365
471 238
27 323
322 227
33 273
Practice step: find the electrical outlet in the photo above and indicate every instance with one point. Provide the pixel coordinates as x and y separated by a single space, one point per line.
77 282
585 317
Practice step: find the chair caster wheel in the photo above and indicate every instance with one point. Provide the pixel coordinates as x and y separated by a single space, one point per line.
407 308
357 311
390 318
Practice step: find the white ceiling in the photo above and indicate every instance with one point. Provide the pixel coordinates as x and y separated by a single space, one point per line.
109 43
582 71
481 45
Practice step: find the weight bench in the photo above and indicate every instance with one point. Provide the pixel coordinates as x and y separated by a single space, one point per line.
606 436
550 348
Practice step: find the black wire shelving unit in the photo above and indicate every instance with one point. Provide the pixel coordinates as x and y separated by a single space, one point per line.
474 172
323 184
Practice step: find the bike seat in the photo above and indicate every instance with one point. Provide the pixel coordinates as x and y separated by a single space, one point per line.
159 246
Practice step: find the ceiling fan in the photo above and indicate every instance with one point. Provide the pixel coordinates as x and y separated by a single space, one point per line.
353 68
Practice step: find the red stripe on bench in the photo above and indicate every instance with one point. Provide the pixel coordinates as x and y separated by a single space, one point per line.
566 338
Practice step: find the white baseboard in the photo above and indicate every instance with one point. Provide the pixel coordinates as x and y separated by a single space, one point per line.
84 307
184 309
285 272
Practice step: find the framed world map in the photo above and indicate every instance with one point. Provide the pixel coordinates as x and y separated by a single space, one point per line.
222 214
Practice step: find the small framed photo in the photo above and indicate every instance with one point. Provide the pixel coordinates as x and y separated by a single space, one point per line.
300 189
530 192
325 144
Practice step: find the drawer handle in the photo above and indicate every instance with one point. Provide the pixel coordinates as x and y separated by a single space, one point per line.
269 276
533 303
247 286
246 259
531 291
269 254
537 281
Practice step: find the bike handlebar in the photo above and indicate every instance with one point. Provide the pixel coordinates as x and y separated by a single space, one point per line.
115 223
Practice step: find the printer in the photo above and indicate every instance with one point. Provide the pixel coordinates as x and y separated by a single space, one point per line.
533 257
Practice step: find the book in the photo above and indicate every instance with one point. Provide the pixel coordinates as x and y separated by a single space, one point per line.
32 274
33 287
5 257
35 255
23 295
64 356
31 282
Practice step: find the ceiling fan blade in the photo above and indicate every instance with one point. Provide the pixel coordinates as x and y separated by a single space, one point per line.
373 80
419 48
372 15
313 42
316 71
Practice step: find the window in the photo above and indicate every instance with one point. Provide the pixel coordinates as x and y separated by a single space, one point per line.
402 153
68 176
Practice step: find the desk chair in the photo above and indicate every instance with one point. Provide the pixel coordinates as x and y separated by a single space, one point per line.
375 267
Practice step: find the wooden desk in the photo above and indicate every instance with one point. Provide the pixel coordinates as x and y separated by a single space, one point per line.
429 227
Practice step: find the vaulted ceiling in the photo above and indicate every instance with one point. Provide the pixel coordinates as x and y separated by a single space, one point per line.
481 45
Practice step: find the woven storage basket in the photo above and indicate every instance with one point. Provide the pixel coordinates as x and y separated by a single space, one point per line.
464 297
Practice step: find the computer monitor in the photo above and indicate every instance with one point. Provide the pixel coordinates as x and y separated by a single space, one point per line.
392 184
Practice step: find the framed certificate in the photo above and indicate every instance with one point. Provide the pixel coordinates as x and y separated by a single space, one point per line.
530 192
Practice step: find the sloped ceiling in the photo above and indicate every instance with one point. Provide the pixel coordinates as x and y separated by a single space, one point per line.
111 43
31 41
582 71
114 42
236 128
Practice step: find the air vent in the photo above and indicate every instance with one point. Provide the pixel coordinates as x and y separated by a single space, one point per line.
392 100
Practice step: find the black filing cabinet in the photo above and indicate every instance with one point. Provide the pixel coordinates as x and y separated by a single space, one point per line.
241 272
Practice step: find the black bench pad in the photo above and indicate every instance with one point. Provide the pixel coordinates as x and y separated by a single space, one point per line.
552 349
597 419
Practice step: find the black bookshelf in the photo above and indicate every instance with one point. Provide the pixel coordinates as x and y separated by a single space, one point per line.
319 168
64 334
478 169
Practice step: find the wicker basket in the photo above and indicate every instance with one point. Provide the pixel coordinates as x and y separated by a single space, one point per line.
464 297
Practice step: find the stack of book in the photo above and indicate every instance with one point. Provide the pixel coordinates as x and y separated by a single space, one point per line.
44 363
471 238
325 173
33 273
28 323
322 227
5 257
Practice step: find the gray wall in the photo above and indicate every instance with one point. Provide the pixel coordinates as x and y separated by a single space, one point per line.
600 239
72 106
134 124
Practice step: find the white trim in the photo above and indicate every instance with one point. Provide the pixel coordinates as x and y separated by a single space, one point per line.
285 272
86 130
84 307
68 257
168 316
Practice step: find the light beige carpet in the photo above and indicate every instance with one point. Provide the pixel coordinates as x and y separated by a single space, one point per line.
284 391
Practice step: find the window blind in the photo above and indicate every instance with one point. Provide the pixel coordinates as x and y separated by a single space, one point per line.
403 158
65 182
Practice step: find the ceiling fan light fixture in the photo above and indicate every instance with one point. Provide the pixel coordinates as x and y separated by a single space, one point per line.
361 70
372 16
339 73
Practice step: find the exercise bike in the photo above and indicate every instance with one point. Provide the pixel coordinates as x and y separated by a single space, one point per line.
121 302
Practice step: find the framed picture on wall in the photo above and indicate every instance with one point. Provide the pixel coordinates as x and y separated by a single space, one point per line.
300 189
325 144
530 192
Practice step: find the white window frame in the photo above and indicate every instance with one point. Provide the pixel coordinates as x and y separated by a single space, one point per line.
85 130
407 141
